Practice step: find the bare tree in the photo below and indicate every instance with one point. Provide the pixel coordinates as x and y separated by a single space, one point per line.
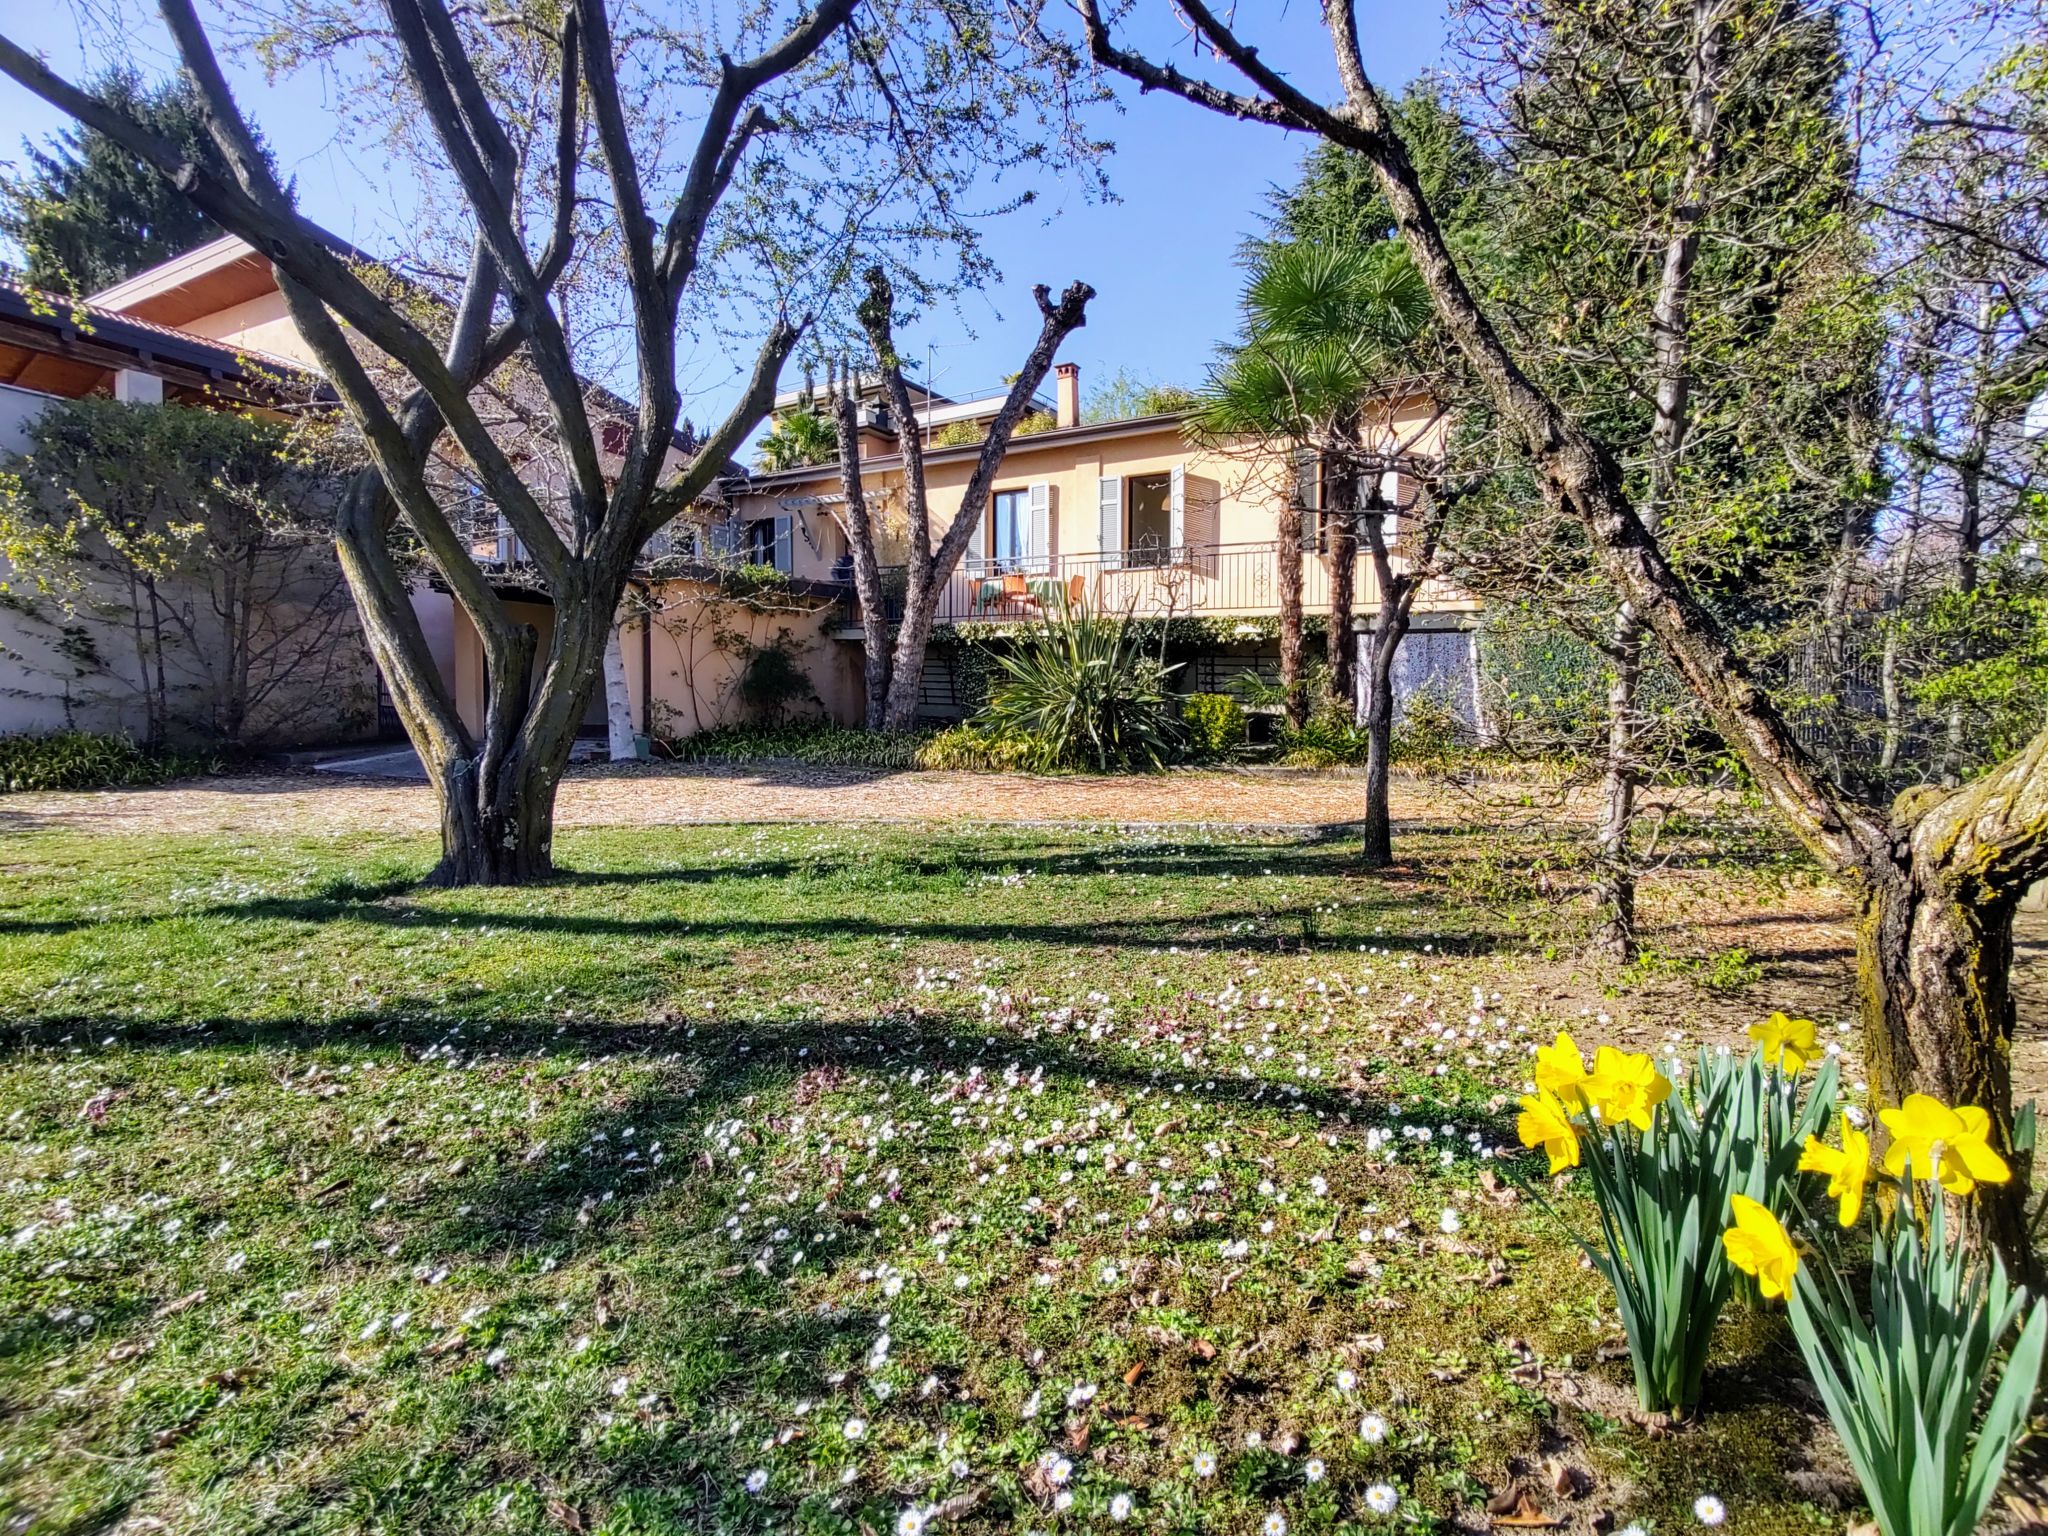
894 671
408 358
1938 875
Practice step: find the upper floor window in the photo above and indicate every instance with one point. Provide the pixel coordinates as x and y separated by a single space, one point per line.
766 541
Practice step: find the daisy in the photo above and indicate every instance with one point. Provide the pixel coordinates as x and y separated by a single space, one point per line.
1120 1507
1709 1510
910 1522
1346 1380
853 1429
757 1479
1380 1498
1372 1429
1276 1524
1448 1223
1314 1470
1205 1463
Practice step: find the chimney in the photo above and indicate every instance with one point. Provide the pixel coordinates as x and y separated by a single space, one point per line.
1067 395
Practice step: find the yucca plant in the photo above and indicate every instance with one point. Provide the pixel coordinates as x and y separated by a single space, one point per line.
1905 1384
1082 690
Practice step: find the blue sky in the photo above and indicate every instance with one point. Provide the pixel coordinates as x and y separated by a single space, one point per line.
1189 185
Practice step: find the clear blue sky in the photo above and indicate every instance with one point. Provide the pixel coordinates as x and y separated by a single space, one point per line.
1189 184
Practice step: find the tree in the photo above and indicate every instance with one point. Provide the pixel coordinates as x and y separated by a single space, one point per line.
894 673
1326 329
504 122
1125 396
1675 251
87 212
1938 874
804 436
199 538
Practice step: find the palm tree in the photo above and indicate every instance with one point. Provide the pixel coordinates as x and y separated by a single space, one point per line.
1324 326
802 437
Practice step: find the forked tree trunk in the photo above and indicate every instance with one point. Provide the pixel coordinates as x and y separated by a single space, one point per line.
1294 692
495 830
1614 869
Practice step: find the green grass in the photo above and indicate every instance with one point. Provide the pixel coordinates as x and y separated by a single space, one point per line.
332 1204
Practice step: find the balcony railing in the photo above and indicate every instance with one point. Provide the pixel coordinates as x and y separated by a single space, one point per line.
1211 579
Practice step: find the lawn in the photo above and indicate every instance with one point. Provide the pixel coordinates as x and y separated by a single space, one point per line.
818 1179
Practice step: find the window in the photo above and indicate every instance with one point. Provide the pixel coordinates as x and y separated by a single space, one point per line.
1010 542
1148 526
766 542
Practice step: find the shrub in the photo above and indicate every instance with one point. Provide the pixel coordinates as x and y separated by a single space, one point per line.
1428 733
976 748
84 760
1215 722
806 741
772 680
1084 693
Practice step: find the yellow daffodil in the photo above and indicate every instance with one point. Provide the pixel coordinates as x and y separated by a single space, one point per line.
1930 1140
1758 1246
1546 1123
1788 1044
1560 1069
1625 1088
1848 1170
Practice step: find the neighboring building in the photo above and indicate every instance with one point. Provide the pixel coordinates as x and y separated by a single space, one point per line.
78 665
1126 515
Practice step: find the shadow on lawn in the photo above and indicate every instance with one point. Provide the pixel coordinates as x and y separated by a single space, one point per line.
551 1193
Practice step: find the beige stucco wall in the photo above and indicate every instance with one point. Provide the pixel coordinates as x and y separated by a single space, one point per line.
261 323
696 647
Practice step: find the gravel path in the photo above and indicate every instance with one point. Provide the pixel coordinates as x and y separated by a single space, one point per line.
677 793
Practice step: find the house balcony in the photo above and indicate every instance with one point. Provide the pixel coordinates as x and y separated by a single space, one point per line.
1208 581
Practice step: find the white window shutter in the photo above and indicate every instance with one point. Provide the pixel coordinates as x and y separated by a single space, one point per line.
977 542
1109 514
784 555
1177 512
1038 549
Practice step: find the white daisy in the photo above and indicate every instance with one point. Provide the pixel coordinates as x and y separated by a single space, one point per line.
757 1479
1709 1510
1120 1507
1205 1463
1448 1222
853 1429
1313 1471
1380 1498
1372 1429
1276 1524
910 1522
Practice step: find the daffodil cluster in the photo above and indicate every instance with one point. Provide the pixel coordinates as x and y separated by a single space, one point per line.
1621 1088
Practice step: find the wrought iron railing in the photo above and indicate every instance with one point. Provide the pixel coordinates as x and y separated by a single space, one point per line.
1207 579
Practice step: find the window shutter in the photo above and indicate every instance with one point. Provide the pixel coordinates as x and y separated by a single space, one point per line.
1109 516
1177 513
976 561
1038 548
784 553
1390 493
1308 495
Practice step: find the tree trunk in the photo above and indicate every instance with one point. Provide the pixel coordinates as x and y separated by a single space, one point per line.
1614 870
1343 577
618 700
906 665
1379 735
504 838
1289 558
1933 985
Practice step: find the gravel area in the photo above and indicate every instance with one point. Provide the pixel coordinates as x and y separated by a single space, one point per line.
685 793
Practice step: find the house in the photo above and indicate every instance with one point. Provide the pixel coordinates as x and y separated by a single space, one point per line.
81 663
1126 514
